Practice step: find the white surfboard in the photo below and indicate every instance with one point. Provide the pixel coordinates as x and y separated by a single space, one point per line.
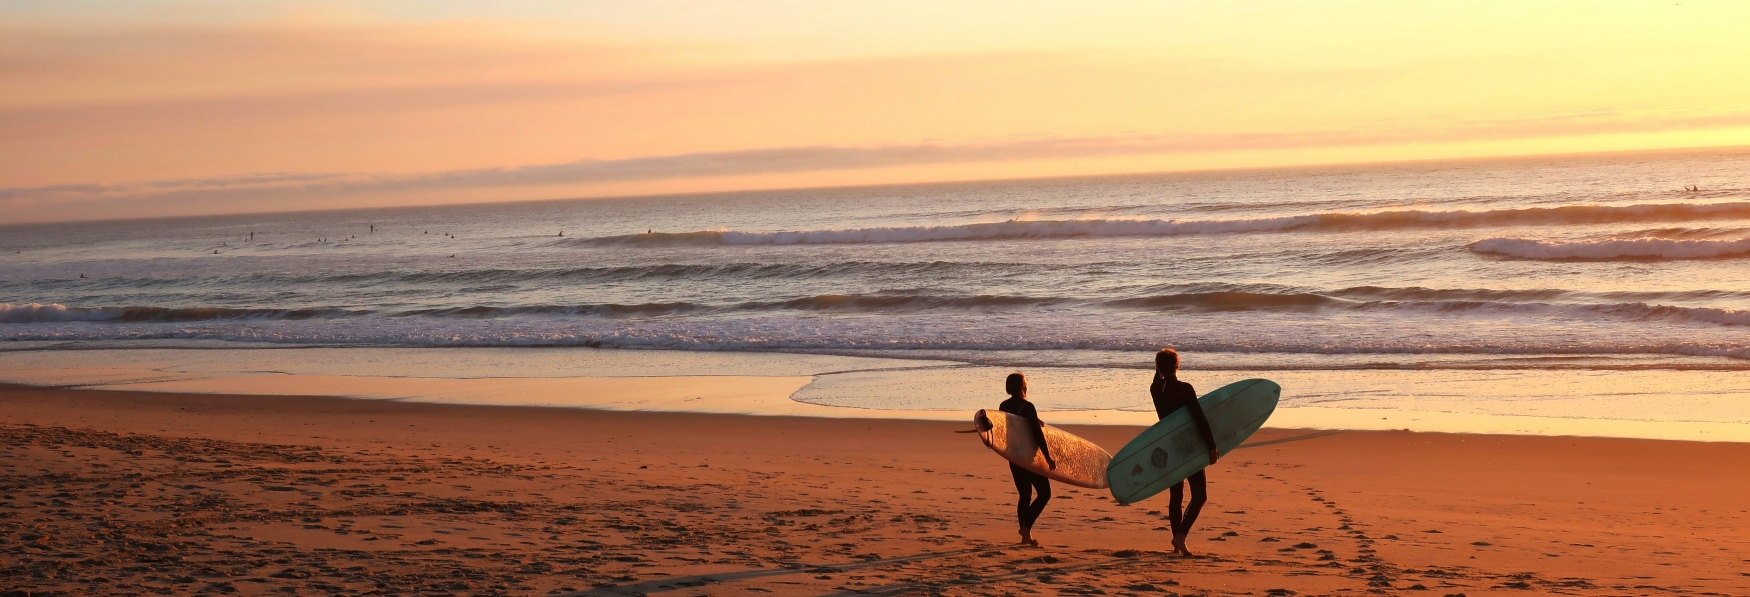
1079 462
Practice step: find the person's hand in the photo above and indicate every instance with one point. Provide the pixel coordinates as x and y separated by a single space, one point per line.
1214 455
1051 464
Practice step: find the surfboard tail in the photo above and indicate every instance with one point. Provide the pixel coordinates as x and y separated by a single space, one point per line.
981 421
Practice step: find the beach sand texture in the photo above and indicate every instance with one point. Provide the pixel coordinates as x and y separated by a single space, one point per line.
137 493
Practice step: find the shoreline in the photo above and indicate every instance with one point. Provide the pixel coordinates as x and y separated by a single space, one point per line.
135 401
312 495
1687 405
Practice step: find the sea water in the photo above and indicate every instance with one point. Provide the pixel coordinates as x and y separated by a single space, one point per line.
1524 269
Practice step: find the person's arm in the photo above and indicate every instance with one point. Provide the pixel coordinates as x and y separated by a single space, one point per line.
1158 394
1202 421
1039 436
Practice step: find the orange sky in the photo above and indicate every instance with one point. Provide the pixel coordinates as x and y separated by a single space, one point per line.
141 108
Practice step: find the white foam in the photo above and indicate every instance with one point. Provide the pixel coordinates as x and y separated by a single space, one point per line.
1640 248
53 312
1012 229
1515 330
1040 229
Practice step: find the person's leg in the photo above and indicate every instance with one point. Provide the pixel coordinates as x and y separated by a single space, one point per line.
1024 487
1175 497
1041 485
1198 497
1182 521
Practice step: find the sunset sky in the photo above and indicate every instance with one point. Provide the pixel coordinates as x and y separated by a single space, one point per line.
114 109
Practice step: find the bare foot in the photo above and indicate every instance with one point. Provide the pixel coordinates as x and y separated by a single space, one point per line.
1027 537
1179 546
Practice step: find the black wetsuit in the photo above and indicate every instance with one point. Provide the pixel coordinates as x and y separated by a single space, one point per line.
1026 481
1170 395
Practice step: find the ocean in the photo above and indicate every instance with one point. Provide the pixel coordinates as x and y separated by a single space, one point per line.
1549 264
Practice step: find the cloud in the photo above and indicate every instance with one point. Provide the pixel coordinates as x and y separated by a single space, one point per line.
259 189
62 64
371 112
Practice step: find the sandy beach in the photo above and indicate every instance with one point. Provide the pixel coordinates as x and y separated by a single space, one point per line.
116 493
703 299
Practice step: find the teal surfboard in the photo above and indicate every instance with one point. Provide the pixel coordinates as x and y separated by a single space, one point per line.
1172 449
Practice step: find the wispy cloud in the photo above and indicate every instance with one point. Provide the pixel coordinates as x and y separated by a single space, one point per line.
277 188
388 110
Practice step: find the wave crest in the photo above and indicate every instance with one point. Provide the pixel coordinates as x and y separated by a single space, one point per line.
53 312
1537 303
1227 301
1605 250
58 313
1049 229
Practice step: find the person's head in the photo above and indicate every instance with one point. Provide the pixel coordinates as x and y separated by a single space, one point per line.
1167 360
1016 385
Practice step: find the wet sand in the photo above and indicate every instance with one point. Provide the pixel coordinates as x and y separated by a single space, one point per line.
118 493
1694 403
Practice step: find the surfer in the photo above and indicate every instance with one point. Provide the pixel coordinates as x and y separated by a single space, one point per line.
1027 482
1170 395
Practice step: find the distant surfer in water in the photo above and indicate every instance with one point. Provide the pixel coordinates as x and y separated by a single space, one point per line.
1170 395
1027 482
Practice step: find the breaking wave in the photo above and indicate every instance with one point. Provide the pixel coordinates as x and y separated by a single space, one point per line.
1601 250
56 312
1563 304
790 334
1050 229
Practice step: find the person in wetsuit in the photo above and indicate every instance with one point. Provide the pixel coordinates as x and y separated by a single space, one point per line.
1026 481
1170 395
